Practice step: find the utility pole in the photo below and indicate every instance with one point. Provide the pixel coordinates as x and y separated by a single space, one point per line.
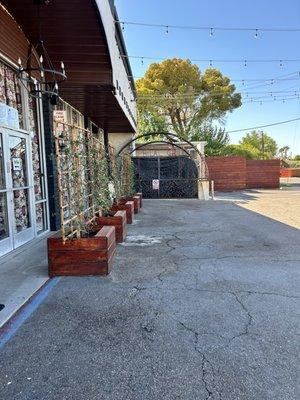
262 144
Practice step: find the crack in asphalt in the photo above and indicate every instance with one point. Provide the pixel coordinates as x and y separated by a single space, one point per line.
248 324
206 366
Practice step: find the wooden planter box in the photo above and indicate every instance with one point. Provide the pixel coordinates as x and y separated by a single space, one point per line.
141 198
127 206
81 257
136 202
118 220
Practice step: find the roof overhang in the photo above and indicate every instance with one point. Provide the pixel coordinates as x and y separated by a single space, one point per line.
74 32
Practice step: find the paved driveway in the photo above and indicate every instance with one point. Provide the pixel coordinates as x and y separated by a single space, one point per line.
202 304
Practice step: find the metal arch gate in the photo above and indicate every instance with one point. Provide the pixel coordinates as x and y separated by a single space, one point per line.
177 177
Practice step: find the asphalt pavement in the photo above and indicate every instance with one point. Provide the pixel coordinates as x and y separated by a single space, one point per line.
203 303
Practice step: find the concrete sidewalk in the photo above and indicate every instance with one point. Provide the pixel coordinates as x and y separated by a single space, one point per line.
22 273
203 303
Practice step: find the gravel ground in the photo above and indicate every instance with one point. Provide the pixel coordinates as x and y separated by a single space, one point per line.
203 303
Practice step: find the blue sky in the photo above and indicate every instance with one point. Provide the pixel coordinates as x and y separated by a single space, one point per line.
153 42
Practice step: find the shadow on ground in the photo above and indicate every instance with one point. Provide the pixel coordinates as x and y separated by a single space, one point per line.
202 304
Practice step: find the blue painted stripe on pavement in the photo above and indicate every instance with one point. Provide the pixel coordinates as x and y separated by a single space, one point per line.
12 326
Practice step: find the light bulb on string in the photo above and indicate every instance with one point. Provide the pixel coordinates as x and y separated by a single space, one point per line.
245 63
280 64
142 60
272 81
210 63
41 59
283 101
256 33
211 33
123 26
243 82
167 30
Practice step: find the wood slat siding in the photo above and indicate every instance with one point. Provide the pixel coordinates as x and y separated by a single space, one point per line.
262 174
228 173
13 42
237 173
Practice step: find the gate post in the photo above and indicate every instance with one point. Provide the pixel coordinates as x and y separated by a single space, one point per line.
203 189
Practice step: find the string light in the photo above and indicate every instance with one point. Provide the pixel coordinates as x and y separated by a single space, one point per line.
211 32
245 63
256 33
167 30
205 28
252 61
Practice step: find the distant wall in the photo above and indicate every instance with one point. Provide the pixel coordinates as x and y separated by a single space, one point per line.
290 172
237 173
117 140
228 173
262 174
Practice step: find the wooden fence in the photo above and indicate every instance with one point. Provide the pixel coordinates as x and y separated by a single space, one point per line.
237 173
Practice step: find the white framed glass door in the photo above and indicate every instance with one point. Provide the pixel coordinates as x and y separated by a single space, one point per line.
6 239
17 201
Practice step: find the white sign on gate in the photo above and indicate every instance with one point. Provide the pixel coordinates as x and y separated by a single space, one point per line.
155 184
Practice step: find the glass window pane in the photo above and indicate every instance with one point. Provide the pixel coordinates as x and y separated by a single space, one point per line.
17 147
41 219
2 176
21 210
10 96
4 232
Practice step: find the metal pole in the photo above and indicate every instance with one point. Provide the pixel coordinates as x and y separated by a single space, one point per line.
263 145
212 190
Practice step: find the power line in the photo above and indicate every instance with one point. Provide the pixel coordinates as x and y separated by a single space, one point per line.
264 126
210 29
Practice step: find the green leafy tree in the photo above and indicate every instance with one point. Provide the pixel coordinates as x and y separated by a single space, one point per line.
297 157
241 150
263 143
176 91
149 122
216 139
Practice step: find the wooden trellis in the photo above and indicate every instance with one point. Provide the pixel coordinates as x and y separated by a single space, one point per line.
87 186
82 178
